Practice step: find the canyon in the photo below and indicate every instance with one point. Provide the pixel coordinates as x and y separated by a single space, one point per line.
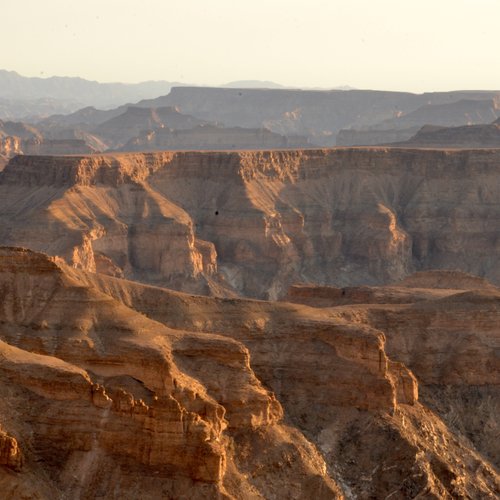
146 392
402 127
250 324
284 287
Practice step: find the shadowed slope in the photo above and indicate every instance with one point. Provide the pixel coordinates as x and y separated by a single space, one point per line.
444 326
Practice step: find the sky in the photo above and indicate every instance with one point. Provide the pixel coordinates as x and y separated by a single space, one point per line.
404 45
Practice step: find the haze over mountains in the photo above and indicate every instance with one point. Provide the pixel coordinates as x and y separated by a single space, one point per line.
226 118
28 97
71 92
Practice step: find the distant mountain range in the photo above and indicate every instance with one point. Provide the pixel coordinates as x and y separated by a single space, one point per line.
246 114
34 97
78 91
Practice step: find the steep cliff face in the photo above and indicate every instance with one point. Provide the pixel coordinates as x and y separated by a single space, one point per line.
10 146
98 213
329 370
255 222
101 401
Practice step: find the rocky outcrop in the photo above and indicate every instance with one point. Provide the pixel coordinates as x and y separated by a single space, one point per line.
252 223
146 237
443 326
115 388
11 134
100 400
324 366
10 146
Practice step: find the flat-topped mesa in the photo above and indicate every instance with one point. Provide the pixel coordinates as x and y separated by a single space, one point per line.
445 279
116 169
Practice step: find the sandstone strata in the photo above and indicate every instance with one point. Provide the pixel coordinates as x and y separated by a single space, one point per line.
106 402
177 401
357 406
252 223
443 325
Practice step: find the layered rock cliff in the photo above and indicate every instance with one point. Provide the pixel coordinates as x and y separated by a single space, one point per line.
305 355
98 400
320 115
442 324
210 137
403 126
113 388
252 223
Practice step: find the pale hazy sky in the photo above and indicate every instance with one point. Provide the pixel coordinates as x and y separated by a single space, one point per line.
381 44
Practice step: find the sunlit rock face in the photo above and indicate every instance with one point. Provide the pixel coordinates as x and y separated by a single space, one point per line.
99 400
252 223
114 388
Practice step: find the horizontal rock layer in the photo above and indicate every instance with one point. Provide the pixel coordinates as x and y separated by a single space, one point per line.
322 365
99 400
443 325
252 223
